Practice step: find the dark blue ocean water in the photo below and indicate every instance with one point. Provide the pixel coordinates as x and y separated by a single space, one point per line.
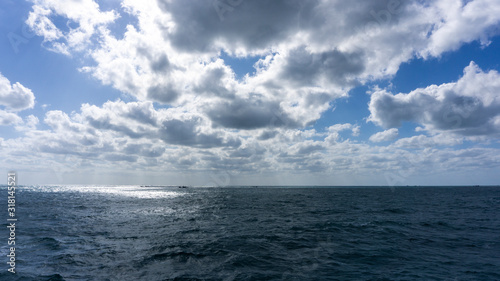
167 233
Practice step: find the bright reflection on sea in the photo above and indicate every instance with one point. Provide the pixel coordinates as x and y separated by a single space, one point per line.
134 191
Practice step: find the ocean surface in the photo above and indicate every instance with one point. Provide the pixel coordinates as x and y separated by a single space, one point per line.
254 233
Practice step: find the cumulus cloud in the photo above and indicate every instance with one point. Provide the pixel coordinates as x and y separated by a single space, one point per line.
30 123
136 125
463 22
198 27
186 132
249 114
423 141
304 68
387 135
8 118
188 110
308 57
15 97
177 142
470 106
333 134
84 19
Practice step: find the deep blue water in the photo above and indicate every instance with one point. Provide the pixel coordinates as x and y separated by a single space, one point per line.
167 233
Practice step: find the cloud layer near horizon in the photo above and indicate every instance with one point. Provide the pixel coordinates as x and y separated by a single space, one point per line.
190 111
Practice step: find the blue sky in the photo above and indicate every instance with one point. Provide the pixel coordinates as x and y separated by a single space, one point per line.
244 93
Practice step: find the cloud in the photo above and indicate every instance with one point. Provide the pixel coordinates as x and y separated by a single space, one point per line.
187 109
30 123
305 68
198 27
249 114
463 22
84 19
137 112
163 94
185 132
333 134
387 135
136 120
137 125
310 148
120 157
423 141
177 142
144 149
15 97
468 107
306 57
265 135
8 118
60 121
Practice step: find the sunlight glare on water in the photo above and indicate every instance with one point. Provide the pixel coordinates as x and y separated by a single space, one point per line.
119 190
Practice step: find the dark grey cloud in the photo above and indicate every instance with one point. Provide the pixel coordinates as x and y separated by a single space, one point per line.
390 111
163 94
89 141
355 18
185 132
310 148
248 152
463 113
211 84
116 116
460 114
186 162
258 24
247 114
159 63
266 135
467 107
304 67
104 123
313 99
162 64
142 113
254 24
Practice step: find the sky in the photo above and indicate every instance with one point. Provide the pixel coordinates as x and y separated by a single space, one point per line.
250 92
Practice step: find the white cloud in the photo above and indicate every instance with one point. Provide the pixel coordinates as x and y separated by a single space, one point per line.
333 134
177 142
311 53
423 141
468 107
462 22
29 123
387 135
15 97
309 57
8 118
84 19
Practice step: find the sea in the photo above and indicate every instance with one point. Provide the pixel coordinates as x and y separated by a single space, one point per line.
253 233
